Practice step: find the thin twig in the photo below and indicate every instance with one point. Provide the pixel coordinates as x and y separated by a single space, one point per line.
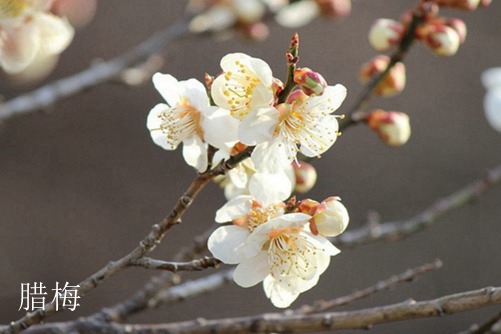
407 276
355 114
194 265
400 229
295 323
53 92
491 326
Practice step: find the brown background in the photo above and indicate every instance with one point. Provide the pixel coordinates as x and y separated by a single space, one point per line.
82 185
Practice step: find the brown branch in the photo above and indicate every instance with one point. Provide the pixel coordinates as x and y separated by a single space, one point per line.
53 92
194 265
400 229
296 323
407 276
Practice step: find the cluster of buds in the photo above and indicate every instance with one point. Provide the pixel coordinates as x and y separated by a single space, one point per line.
440 34
247 16
392 83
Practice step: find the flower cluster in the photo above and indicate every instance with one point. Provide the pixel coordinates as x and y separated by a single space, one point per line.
247 16
246 108
30 34
283 246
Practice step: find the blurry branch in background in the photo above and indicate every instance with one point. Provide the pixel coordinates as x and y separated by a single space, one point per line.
194 265
491 326
374 231
96 74
295 323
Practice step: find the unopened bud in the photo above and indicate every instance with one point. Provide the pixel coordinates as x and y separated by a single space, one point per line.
330 217
393 127
334 8
440 38
306 176
392 84
385 33
459 26
310 82
485 3
459 4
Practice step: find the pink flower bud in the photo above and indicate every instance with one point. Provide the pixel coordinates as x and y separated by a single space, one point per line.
393 127
306 176
256 31
334 8
459 4
459 26
485 3
392 84
311 83
385 33
330 217
441 39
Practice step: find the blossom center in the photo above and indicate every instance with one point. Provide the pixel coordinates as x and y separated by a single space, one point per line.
258 215
12 8
180 122
239 88
291 254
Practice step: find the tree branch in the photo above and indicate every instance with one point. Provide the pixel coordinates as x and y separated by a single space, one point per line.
49 94
401 229
296 323
194 265
407 276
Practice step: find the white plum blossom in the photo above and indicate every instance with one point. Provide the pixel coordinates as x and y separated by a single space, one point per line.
491 79
188 117
266 188
305 125
272 247
29 32
246 84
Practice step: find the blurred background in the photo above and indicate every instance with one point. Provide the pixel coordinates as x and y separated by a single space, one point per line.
82 183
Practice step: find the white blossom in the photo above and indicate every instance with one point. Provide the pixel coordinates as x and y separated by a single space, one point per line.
306 125
28 32
188 117
246 84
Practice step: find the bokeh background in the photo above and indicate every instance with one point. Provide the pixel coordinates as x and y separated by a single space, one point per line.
82 183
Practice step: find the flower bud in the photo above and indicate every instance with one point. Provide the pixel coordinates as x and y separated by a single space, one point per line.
330 217
459 4
385 33
491 79
441 39
392 84
256 31
485 3
311 83
334 8
459 26
306 176
393 127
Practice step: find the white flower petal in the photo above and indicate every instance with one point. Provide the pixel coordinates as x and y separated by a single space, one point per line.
252 271
272 156
279 296
258 126
298 14
168 87
196 93
220 128
325 134
268 188
55 33
492 107
18 47
195 153
225 243
233 209
154 122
